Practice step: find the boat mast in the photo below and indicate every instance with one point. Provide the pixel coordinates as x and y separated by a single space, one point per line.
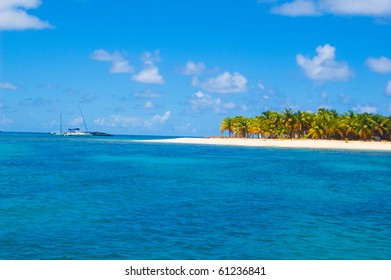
61 123
83 119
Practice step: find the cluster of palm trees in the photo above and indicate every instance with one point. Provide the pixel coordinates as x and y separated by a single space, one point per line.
324 124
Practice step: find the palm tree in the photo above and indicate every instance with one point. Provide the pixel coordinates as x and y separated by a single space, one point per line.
226 124
350 123
317 130
388 126
288 121
272 121
302 123
379 125
240 126
256 126
334 128
365 126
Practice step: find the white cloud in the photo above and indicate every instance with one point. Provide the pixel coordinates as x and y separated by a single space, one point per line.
118 121
121 66
373 8
388 88
135 122
78 121
118 63
6 85
357 7
14 17
297 8
261 86
150 73
365 109
323 66
5 120
204 102
224 83
149 105
148 93
101 55
244 108
380 65
230 105
192 68
201 102
157 119
148 57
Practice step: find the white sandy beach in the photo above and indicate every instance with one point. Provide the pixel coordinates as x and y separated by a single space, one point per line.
285 143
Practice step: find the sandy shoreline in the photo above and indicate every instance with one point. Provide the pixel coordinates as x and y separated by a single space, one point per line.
304 143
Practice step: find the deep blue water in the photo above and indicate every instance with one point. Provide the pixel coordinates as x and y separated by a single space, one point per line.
111 198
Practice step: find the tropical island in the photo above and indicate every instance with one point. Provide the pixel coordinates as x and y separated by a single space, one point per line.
325 129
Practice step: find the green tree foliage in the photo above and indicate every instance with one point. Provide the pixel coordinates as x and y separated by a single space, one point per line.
324 124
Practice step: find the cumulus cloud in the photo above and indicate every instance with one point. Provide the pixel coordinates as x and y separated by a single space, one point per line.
357 7
149 105
149 57
13 15
373 8
148 93
297 8
76 122
192 68
244 108
388 88
365 109
380 65
6 85
118 63
158 119
204 102
134 122
323 66
118 121
150 73
223 83
5 120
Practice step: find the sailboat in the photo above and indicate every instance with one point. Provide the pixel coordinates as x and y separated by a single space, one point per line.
59 132
77 131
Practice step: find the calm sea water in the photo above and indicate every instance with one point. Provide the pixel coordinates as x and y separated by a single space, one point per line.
111 198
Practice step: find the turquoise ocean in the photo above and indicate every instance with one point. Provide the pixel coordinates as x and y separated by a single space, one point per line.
114 198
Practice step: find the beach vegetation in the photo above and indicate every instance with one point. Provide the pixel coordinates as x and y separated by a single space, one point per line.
323 124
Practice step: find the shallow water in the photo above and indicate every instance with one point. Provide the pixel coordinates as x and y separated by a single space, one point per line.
112 198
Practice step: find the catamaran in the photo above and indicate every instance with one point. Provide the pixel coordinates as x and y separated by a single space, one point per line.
77 132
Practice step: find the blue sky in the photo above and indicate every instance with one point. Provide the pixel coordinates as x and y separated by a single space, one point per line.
179 67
